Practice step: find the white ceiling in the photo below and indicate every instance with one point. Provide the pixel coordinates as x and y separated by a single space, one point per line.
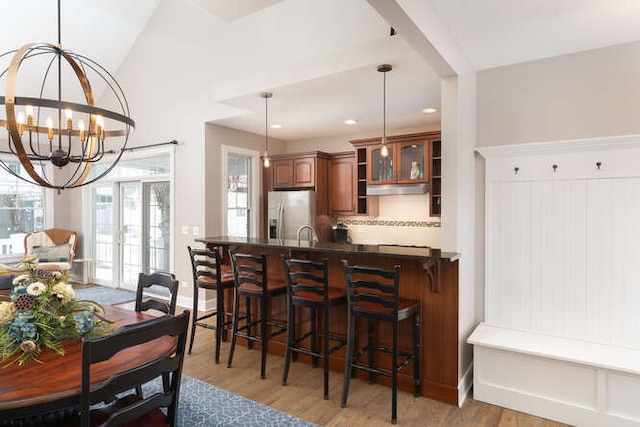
314 103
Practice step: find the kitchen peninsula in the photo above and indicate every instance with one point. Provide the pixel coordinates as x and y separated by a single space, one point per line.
427 274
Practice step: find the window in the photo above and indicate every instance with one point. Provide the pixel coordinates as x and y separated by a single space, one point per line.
22 209
238 213
239 170
241 187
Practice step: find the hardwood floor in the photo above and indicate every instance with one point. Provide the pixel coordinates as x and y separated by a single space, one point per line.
367 405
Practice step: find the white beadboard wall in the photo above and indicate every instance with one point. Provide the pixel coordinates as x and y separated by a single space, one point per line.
563 246
562 292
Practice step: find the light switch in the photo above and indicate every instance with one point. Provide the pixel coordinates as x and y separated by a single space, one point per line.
184 229
196 231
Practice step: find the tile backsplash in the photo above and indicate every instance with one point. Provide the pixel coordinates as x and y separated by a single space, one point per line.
402 220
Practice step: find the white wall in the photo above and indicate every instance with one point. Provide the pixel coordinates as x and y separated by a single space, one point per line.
583 95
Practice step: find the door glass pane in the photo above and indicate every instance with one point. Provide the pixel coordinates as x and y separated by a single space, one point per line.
412 166
238 209
104 231
157 209
130 229
381 167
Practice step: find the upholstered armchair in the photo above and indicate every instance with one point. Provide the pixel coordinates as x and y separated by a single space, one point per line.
54 247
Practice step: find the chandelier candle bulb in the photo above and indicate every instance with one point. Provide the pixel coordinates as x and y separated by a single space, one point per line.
30 122
81 130
69 114
50 126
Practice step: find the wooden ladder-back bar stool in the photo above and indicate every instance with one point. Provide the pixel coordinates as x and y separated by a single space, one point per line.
372 294
308 286
207 274
251 282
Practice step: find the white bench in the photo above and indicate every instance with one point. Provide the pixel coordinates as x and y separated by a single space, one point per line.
576 382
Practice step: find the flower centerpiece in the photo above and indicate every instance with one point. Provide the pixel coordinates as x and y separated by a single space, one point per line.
42 311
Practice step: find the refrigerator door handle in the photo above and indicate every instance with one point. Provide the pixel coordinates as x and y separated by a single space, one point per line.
280 221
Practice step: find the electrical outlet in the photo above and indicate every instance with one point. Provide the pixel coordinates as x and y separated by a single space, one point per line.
184 229
196 231
184 284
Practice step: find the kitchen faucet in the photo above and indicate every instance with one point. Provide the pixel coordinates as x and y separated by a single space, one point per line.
314 237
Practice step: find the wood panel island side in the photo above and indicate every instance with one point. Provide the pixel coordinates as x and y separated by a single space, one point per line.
427 274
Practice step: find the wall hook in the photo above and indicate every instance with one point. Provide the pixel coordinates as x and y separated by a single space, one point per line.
555 168
516 169
598 165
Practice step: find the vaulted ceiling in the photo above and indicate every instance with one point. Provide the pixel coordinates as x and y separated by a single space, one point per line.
345 40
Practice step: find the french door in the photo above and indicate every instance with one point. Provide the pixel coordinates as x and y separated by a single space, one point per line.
132 230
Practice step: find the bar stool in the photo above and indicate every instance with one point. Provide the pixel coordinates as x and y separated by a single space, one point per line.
372 293
207 274
250 280
308 286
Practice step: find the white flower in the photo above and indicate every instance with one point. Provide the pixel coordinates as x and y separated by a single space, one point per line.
64 291
21 278
36 288
6 312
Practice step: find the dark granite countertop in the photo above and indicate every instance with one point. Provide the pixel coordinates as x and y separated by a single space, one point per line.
410 252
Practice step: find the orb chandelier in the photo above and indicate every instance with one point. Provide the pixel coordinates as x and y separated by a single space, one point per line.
51 116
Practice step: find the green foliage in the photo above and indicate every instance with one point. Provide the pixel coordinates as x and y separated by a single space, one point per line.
42 312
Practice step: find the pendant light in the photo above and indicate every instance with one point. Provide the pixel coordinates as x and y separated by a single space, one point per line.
384 68
266 161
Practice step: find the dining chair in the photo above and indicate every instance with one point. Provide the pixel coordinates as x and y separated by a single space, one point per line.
160 282
131 409
207 274
373 294
308 287
251 282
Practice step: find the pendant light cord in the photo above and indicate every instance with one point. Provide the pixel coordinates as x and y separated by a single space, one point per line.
59 76
384 107
266 124
59 27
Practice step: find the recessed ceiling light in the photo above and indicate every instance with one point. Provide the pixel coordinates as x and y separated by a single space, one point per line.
429 110
276 126
350 122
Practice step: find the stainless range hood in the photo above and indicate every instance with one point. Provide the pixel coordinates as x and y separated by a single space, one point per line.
397 189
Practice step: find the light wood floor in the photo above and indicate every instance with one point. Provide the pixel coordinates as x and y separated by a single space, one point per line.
367 405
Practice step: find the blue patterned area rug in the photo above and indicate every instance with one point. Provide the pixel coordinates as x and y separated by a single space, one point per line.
105 295
202 404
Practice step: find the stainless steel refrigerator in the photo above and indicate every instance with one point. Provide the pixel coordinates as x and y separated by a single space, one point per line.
287 211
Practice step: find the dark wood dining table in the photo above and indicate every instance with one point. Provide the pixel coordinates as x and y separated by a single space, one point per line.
35 389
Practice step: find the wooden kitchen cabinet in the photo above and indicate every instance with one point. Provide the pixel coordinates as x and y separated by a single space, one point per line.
407 162
343 180
291 173
425 149
435 183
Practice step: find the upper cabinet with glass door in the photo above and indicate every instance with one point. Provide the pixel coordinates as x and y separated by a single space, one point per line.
407 162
